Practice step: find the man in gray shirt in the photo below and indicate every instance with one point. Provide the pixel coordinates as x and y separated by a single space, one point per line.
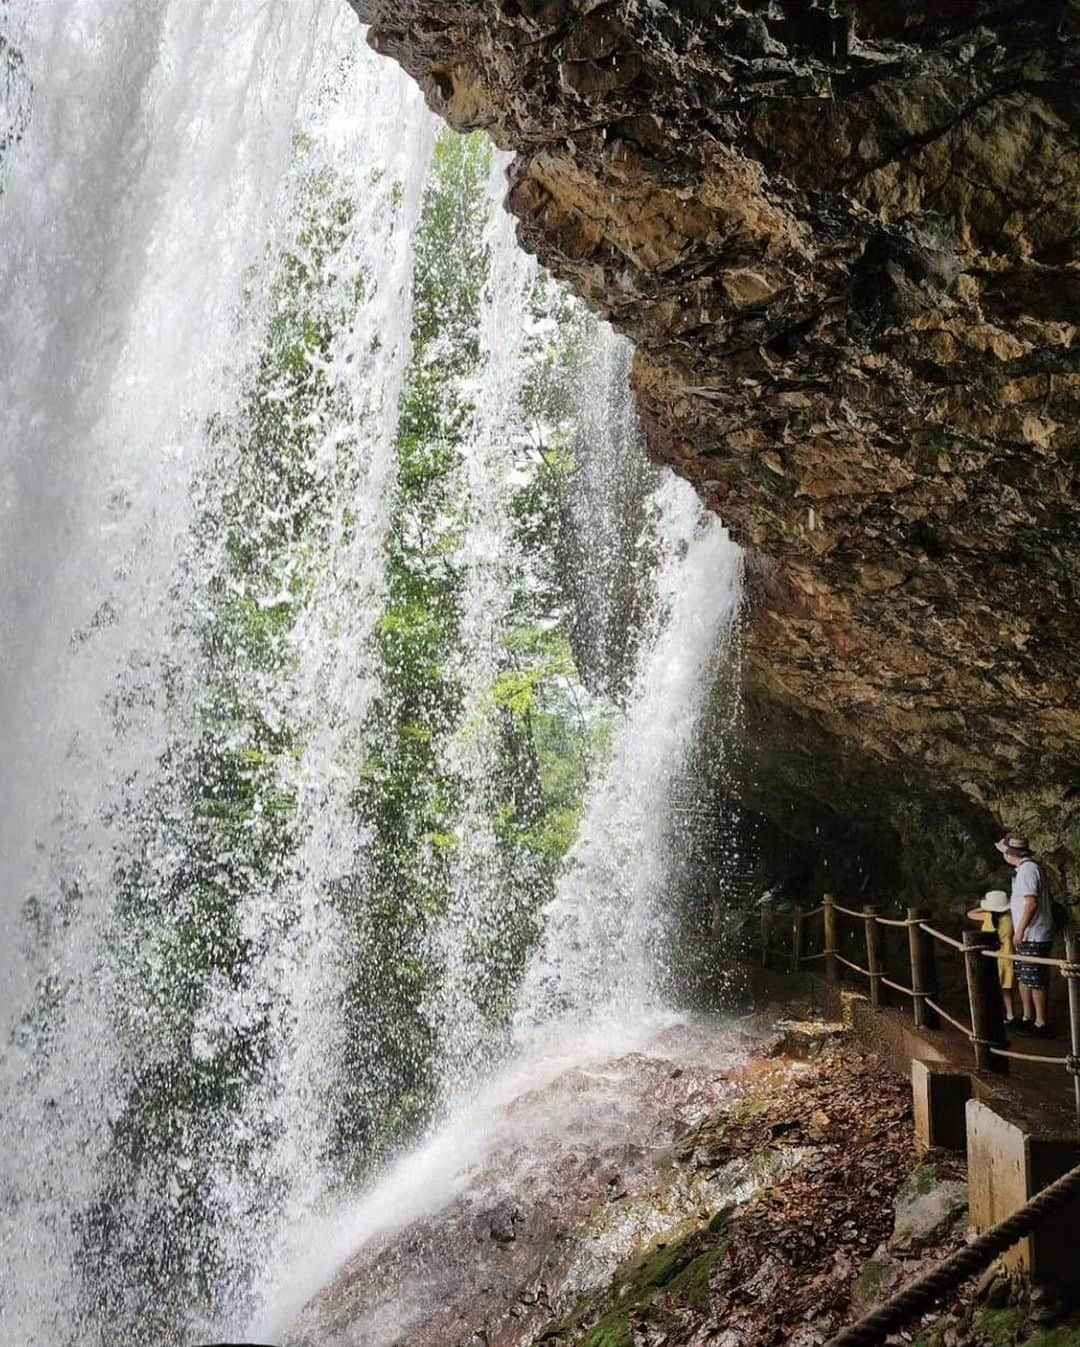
1033 928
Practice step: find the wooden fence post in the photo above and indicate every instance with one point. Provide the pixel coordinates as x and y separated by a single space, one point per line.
1072 953
984 997
797 922
923 968
766 932
832 967
875 960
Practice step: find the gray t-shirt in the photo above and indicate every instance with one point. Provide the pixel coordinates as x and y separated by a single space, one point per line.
1027 880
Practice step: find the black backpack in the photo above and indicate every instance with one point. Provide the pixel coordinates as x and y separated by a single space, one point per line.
1059 913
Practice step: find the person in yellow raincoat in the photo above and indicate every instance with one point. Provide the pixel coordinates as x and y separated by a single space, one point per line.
993 916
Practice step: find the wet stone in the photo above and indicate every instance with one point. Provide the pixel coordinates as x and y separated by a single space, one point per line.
928 1207
503 1220
806 1040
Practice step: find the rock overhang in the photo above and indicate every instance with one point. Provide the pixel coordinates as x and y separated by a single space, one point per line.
842 239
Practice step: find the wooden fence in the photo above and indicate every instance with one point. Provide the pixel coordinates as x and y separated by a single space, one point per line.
985 1024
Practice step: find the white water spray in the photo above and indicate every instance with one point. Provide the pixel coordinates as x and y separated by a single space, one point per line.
602 951
170 156
131 208
153 173
482 904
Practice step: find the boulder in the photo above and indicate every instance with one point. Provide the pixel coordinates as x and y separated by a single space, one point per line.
928 1207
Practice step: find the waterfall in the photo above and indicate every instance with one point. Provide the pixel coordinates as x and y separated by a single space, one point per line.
481 905
137 212
137 192
604 940
348 652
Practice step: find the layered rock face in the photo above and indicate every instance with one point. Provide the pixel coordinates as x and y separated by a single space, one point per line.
842 239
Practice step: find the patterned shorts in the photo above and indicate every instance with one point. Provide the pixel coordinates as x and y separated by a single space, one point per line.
1034 974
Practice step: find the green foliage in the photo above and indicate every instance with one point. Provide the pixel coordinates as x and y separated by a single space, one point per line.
1010 1326
217 831
408 794
936 1336
1066 1335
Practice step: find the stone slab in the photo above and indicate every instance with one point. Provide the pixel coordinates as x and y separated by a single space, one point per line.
997 1175
939 1093
1007 1165
928 1206
1056 1244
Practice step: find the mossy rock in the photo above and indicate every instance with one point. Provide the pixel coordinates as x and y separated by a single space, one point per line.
928 1207
613 1330
1009 1327
672 1274
876 1281
753 1107
702 1147
999 1328
922 1180
690 1286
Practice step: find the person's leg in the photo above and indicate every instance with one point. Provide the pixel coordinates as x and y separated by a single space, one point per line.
1033 980
1039 999
1010 1004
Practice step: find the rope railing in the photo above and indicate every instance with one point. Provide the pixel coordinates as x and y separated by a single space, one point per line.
985 1026
941 936
855 967
965 1029
896 986
1030 1057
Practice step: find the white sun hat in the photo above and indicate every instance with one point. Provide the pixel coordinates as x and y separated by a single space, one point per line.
997 900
